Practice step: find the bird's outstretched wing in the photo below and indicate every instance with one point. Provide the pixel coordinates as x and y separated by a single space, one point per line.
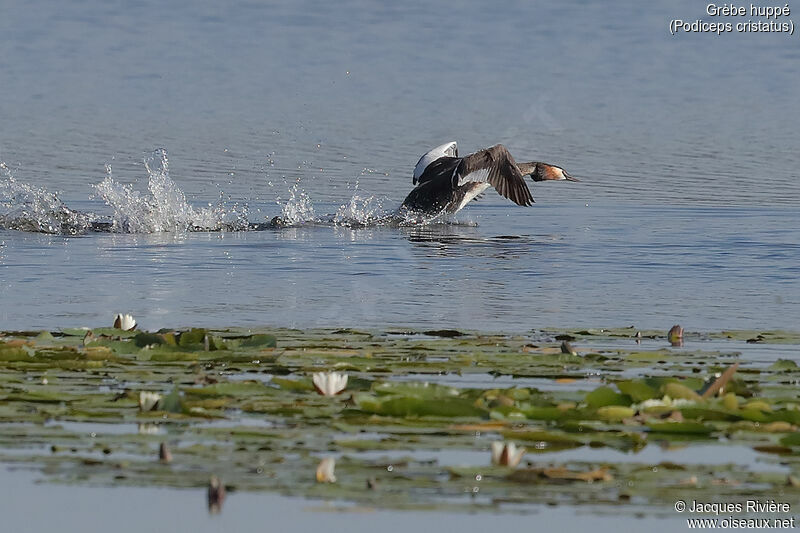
497 167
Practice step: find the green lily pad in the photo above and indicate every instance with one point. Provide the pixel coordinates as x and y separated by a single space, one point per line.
615 413
767 337
143 339
603 396
238 406
691 428
74 332
259 341
792 439
413 406
638 390
298 385
192 338
551 413
8 353
416 390
555 440
783 364
235 388
680 391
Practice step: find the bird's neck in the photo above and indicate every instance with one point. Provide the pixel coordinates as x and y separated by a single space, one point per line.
527 168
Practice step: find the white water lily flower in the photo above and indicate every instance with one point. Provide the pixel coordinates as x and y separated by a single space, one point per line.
325 470
148 401
124 322
506 454
329 383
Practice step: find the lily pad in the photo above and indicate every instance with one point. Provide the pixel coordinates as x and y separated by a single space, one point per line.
413 406
692 428
615 413
259 341
784 365
638 390
603 396
233 403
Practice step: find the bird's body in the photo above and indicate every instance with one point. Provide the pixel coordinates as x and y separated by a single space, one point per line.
445 183
437 194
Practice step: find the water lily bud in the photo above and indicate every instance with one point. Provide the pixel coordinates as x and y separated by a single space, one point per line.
124 322
506 454
329 383
325 470
148 401
675 335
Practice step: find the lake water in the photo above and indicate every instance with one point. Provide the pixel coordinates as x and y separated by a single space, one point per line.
184 510
687 147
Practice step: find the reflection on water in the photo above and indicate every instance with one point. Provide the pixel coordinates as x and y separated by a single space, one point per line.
182 510
545 266
742 456
461 240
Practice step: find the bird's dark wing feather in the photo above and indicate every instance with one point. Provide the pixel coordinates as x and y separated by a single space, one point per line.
497 167
442 167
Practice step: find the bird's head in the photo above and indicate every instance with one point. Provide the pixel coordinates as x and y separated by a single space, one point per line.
545 172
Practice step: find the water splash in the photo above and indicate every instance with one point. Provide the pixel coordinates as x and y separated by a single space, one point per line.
363 211
298 209
165 208
24 207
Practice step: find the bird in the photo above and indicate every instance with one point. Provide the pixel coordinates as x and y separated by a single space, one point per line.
445 182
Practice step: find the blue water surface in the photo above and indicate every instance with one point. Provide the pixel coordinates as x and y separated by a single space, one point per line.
686 144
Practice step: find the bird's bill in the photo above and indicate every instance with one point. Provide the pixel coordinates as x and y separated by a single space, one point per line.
568 177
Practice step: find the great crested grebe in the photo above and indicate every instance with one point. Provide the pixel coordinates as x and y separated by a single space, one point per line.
446 183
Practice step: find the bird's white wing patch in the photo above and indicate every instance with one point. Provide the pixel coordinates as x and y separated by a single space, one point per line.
473 193
478 176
